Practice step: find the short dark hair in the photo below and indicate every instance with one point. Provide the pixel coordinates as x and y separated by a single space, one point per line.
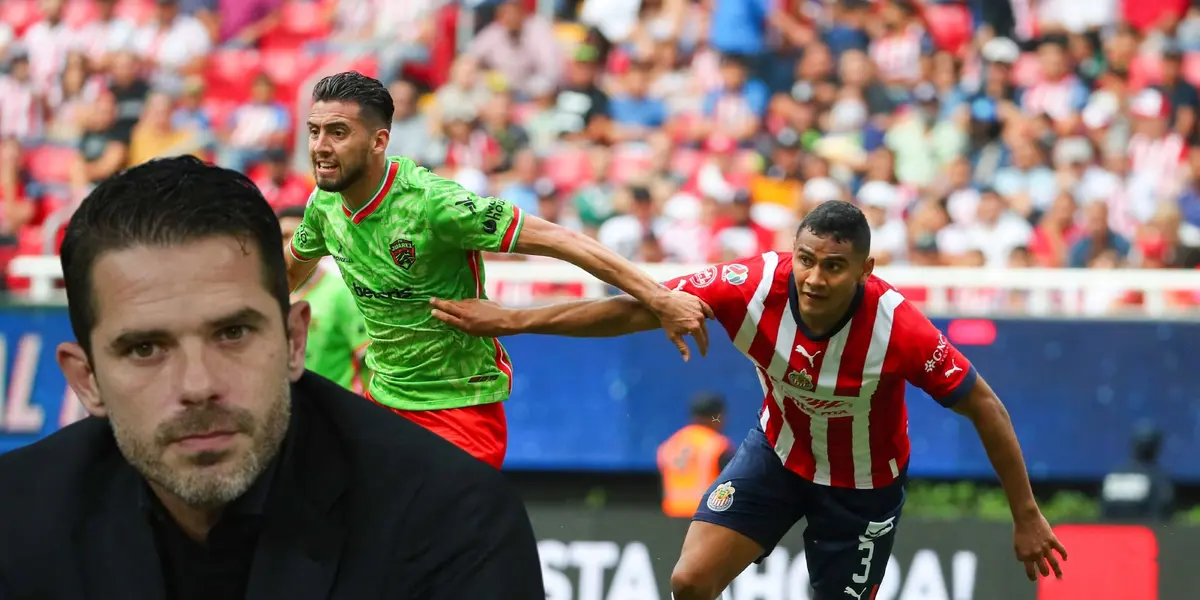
291 212
161 203
373 100
842 221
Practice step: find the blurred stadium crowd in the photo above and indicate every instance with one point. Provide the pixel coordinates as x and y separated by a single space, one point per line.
1056 133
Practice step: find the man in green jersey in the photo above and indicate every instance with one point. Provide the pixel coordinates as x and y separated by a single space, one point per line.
401 235
337 336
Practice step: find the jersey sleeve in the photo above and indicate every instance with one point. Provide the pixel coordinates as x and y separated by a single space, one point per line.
461 218
725 287
308 242
930 361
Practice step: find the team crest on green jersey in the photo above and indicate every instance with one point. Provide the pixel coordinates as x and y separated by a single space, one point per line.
404 253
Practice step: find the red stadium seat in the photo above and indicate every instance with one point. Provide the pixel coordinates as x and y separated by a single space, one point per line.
19 14
138 11
1191 67
78 13
219 110
230 72
288 68
686 162
1145 70
50 164
29 243
1027 71
299 23
949 25
629 162
568 169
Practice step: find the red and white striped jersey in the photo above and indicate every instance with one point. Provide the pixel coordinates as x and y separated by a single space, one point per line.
834 404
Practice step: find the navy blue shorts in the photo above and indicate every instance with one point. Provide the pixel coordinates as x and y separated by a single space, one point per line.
850 532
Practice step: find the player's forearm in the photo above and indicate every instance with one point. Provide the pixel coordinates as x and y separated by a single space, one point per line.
586 318
298 272
546 239
999 439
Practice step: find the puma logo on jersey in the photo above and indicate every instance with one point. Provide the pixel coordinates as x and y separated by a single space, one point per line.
953 369
850 592
811 357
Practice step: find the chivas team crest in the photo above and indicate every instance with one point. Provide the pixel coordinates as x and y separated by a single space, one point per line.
801 379
404 253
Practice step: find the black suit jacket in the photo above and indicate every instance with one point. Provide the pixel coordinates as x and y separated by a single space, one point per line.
365 505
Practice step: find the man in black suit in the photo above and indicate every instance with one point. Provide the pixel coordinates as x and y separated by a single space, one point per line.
214 466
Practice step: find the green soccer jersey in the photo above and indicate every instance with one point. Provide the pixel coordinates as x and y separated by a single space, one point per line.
337 336
420 236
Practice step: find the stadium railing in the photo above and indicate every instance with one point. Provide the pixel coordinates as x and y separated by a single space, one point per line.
1064 291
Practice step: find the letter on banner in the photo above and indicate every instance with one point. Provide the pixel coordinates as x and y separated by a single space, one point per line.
634 577
767 584
553 556
925 581
593 558
17 415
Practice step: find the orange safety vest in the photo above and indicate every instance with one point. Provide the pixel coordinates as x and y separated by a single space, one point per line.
688 462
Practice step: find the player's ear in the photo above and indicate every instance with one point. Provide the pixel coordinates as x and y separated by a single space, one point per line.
297 334
77 369
382 138
868 268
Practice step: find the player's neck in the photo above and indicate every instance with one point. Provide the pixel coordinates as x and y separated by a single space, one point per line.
823 325
360 192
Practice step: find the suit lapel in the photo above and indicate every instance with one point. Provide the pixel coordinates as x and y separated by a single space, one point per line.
115 543
301 543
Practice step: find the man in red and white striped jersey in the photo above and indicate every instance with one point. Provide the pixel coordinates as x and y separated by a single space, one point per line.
833 346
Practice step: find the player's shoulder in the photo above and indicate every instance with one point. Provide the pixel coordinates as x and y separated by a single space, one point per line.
883 298
746 270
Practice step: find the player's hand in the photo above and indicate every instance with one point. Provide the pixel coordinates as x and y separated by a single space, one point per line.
1035 544
683 314
480 318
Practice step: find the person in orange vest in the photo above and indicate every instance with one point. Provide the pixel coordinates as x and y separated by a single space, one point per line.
692 459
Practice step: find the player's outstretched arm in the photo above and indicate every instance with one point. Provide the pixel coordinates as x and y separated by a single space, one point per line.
610 317
676 316
1034 541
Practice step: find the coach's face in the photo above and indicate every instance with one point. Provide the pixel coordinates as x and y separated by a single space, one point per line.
341 143
191 364
827 274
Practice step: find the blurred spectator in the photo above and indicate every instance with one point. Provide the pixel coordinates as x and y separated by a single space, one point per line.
128 88
190 113
106 34
1028 183
103 147
1055 233
1058 94
899 43
16 209
1180 94
583 107
625 233
522 181
21 114
155 136
394 31
923 145
736 108
175 44
411 135
280 185
735 233
67 100
496 120
519 46
47 43
240 22
259 124
994 233
1140 490
635 114
464 93
468 146
1097 239
889 234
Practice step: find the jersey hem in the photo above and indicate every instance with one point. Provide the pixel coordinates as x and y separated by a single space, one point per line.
461 402
509 242
296 255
